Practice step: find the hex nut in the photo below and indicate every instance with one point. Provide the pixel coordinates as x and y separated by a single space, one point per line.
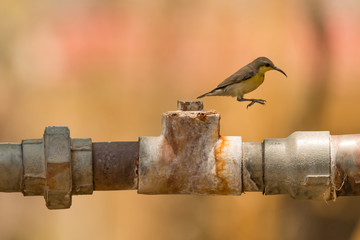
190 105
58 167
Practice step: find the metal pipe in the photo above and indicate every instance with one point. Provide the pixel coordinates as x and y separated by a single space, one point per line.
298 165
189 157
11 167
345 164
115 165
253 167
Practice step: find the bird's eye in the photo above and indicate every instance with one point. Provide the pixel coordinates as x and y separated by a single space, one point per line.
267 65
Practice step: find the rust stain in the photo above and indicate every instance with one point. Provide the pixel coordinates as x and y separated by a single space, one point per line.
223 186
182 165
201 116
57 174
346 174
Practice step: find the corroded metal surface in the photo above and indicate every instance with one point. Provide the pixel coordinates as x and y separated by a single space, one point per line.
58 167
228 165
346 164
253 167
190 157
115 165
190 105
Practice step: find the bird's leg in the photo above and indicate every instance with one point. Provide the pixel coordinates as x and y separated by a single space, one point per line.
253 101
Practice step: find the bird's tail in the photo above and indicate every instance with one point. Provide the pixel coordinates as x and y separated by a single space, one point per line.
204 95
214 92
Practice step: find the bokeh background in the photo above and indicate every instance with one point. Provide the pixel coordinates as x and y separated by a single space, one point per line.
109 69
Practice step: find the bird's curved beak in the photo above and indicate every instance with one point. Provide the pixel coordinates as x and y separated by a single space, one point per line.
278 69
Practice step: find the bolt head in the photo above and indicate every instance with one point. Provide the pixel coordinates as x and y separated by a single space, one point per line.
190 105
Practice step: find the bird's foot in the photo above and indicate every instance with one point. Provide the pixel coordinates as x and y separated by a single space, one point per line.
253 101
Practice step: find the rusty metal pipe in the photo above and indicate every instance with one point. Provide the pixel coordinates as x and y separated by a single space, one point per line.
253 167
115 165
345 164
189 157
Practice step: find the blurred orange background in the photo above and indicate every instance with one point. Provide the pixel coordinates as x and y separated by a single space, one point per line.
109 69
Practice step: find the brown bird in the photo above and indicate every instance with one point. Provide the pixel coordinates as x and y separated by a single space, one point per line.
245 80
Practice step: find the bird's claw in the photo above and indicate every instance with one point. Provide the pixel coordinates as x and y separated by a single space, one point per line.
261 101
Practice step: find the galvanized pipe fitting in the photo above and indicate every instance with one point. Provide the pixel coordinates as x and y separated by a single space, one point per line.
298 165
55 166
190 157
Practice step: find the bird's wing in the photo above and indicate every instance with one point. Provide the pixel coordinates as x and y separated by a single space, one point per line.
241 75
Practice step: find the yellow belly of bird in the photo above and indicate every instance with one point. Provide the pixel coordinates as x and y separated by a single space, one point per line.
241 88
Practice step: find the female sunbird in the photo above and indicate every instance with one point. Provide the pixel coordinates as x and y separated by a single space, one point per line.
245 80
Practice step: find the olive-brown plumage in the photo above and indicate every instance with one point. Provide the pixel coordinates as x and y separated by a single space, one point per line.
245 80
